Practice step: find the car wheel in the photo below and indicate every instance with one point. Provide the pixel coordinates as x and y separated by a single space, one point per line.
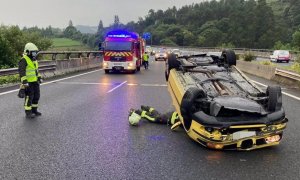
275 98
187 106
106 71
171 63
229 57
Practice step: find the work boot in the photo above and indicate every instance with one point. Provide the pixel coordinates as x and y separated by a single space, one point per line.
29 114
35 112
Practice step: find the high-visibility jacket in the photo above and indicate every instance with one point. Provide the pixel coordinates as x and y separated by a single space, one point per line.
32 73
145 57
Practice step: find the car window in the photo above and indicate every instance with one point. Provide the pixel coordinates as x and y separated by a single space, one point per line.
283 53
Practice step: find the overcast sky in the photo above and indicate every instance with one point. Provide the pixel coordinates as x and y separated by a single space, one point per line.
57 13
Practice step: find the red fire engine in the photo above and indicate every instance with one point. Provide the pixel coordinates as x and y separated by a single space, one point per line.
123 51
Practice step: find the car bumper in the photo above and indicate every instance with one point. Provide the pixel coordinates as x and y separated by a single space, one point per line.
160 58
245 139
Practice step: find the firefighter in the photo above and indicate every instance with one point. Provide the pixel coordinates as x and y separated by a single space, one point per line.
30 79
152 115
146 60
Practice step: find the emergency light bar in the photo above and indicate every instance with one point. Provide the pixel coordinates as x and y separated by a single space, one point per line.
121 34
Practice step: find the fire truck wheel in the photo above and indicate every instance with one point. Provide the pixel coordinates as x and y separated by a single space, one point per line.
133 71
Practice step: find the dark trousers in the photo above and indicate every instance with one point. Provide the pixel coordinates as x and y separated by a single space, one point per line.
146 64
157 117
32 96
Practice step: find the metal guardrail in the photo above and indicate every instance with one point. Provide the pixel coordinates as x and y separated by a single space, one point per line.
69 53
287 74
262 53
42 68
45 66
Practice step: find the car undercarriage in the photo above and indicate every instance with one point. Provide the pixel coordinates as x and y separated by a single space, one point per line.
220 107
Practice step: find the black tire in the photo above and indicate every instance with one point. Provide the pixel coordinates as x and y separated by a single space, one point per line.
106 71
133 71
138 68
229 57
187 106
275 98
171 63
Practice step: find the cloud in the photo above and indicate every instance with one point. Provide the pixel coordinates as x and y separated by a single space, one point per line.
57 13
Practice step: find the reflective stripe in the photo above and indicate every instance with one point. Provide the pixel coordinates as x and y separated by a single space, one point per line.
174 117
144 115
26 102
27 108
34 105
151 109
149 118
23 78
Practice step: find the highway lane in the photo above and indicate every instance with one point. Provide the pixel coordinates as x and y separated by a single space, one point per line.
84 134
260 59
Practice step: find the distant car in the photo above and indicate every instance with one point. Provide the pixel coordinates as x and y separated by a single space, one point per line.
150 50
280 56
177 52
161 55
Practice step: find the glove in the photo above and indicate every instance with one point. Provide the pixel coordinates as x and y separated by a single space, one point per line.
21 93
24 84
40 80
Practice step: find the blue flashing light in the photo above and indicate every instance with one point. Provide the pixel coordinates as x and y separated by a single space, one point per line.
121 34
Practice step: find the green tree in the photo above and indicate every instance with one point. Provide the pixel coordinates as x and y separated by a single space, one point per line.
7 56
296 39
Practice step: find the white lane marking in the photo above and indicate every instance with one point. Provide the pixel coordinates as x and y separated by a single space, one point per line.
3 93
132 84
70 77
7 92
287 94
259 83
83 83
128 84
154 85
117 87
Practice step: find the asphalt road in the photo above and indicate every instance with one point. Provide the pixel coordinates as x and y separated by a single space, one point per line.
277 63
84 134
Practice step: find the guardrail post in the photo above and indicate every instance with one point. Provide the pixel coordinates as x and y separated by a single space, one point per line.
68 55
54 57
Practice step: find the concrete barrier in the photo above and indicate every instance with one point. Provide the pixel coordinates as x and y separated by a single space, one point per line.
73 65
267 72
264 71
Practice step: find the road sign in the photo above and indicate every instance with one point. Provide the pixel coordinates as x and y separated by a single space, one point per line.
147 35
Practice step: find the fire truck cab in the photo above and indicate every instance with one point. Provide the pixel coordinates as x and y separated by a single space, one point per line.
122 51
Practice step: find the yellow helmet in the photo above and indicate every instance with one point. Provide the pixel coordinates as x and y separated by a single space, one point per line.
30 47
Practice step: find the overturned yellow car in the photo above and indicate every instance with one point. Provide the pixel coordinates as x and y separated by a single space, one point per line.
219 107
